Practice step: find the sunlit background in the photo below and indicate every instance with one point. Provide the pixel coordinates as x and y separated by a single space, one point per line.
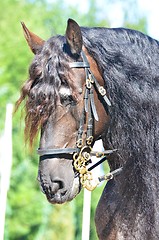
28 214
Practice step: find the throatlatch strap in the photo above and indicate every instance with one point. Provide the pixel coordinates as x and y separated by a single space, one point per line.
101 90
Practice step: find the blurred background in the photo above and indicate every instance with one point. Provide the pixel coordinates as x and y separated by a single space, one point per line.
28 214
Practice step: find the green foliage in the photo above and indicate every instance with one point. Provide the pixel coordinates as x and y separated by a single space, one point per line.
141 25
29 215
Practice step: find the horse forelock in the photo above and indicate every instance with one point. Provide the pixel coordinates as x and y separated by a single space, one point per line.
47 73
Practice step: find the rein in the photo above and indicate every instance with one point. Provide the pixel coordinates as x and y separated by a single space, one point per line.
82 153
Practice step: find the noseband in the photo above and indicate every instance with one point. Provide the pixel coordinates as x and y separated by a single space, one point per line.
82 153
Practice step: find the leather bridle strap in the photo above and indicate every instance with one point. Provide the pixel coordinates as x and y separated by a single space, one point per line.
71 151
56 151
110 175
85 64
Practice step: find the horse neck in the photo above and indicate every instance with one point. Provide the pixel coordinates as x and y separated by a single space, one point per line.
131 199
129 203
129 206
140 162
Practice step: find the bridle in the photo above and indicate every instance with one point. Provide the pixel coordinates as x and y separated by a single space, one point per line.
82 153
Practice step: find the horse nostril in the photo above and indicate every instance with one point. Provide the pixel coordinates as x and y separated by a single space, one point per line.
60 184
56 185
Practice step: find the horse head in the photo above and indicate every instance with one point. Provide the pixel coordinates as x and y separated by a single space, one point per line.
67 101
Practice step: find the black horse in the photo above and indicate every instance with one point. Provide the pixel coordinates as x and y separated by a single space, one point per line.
98 83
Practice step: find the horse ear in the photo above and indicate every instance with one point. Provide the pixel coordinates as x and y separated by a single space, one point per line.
35 43
74 36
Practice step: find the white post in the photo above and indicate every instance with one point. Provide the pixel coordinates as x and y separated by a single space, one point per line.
86 215
98 146
5 165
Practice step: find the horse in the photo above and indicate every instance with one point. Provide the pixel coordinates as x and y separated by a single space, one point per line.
98 83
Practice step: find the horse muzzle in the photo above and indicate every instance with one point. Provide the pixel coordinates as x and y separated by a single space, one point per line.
58 181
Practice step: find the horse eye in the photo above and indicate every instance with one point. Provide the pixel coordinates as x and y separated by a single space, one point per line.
67 100
71 100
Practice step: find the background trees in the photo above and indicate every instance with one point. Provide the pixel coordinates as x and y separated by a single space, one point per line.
29 215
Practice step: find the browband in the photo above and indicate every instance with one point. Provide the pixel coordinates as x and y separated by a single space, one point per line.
83 64
79 65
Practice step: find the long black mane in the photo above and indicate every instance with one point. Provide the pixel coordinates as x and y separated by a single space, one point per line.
129 63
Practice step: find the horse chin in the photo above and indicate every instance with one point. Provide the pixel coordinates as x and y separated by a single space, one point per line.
66 196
